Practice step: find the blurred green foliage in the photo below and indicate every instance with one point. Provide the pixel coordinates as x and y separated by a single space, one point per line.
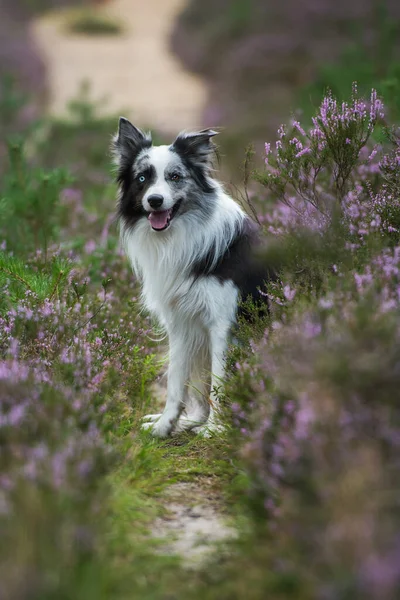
30 206
90 23
375 66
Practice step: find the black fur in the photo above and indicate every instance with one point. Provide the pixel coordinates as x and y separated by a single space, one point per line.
239 264
129 143
195 151
132 192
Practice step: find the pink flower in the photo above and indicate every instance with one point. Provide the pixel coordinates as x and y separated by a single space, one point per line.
90 247
303 152
267 151
299 128
289 293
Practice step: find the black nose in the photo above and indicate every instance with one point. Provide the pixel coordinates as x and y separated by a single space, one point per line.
155 200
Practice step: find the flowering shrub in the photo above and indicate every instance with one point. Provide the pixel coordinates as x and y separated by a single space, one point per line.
75 360
315 174
262 59
315 400
332 191
314 396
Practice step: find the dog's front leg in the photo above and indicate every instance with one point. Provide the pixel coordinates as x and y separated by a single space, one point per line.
178 375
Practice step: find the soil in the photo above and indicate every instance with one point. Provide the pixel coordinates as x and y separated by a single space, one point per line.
193 524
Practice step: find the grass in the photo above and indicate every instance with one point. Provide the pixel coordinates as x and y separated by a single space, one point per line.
137 498
70 312
117 559
93 23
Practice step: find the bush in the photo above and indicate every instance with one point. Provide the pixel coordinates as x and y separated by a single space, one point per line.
74 361
30 210
315 400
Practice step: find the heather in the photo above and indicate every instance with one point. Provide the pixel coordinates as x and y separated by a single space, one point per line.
316 395
266 60
307 469
73 349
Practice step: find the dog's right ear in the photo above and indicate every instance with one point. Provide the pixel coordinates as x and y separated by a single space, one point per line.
128 142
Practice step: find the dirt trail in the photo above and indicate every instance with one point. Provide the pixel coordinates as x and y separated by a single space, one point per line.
134 72
192 525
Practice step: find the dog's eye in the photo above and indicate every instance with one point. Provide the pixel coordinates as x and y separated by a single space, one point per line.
175 177
141 178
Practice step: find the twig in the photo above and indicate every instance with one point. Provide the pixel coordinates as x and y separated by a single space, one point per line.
246 177
61 273
18 277
96 312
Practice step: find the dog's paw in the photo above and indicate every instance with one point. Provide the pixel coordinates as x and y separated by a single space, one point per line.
184 423
210 430
151 418
187 424
160 428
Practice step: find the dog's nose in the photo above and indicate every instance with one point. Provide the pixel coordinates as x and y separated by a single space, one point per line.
155 200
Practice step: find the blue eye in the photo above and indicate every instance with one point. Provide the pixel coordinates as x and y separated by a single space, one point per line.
141 179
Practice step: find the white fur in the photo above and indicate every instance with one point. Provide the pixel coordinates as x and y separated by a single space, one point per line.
196 313
160 158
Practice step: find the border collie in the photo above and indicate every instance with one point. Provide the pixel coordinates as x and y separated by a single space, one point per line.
190 245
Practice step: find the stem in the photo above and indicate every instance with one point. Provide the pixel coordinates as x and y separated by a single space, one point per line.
246 177
17 277
61 273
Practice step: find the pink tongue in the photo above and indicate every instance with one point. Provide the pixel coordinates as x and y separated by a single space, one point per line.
159 220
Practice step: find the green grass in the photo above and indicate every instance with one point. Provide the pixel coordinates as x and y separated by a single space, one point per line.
90 23
125 561
137 498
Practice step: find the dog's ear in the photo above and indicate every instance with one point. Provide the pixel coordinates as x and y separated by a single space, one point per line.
128 142
196 146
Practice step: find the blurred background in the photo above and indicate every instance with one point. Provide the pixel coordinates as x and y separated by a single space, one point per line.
242 65
308 473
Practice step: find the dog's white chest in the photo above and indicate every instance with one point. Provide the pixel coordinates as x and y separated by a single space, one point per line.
172 296
165 291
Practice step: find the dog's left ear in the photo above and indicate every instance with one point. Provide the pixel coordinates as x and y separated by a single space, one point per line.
197 146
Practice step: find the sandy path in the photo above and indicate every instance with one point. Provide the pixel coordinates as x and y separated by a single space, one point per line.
134 72
192 525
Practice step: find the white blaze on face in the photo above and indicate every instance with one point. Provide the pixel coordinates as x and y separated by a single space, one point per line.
163 162
162 159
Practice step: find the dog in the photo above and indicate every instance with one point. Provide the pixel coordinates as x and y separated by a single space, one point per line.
192 248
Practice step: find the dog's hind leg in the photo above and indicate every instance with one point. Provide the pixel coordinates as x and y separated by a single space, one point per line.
219 344
197 406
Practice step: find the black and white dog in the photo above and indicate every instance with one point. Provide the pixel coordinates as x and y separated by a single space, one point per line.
190 245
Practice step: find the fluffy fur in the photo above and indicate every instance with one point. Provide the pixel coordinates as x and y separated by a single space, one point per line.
190 245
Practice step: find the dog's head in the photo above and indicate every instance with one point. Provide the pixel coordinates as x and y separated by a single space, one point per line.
161 183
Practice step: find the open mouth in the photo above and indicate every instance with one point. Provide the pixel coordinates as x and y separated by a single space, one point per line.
161 219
